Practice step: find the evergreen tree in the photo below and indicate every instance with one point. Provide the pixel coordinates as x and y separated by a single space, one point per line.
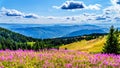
36 46
117 33
29 47
0 47
24 46
112 43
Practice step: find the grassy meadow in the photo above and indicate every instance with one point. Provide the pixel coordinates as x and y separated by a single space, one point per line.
57 59
94 45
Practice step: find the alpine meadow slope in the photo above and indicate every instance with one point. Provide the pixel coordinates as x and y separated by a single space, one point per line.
93 46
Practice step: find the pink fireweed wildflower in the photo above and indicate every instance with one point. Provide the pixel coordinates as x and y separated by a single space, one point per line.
68 65
57 59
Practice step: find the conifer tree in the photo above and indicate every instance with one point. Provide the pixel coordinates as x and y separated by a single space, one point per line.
0 47
112 43
36 46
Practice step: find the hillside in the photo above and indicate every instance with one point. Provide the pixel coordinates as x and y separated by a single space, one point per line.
94 45
13 41
16 37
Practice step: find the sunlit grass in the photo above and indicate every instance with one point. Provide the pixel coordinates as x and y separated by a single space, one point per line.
31 43
94 45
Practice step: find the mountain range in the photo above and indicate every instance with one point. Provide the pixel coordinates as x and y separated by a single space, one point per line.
54 31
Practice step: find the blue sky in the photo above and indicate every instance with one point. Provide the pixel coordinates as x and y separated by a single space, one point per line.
59 11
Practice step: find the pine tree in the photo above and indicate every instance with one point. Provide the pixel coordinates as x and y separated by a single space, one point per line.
36 46
117 33
0 47
112 43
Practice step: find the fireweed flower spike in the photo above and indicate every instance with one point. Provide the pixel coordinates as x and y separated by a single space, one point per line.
57 59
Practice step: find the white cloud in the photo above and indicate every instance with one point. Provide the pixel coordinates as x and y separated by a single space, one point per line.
16 13
11 12
72 5
113 12
31 15
115 2
114 8
20 17
110 14
94 7
69 5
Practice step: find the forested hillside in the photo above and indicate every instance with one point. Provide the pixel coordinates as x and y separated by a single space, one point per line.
16 37
13 41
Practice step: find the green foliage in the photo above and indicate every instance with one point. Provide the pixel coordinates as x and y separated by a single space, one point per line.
0 46
39 45
7 34
14 41
112 43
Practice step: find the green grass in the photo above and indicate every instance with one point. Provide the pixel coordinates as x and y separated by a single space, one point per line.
94 45
31 43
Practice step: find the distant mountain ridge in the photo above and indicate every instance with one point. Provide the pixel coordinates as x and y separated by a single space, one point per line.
53 31
85 32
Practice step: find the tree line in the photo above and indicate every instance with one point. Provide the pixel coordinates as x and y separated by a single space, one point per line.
13 41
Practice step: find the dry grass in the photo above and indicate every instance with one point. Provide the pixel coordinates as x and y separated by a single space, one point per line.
95 45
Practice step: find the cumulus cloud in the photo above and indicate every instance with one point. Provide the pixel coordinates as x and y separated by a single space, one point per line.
70 18
117 18
71 5
110 14
50 17
118 2
11 12
94 7
114 8
31 16
115 2
78 19
100 18
16 13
